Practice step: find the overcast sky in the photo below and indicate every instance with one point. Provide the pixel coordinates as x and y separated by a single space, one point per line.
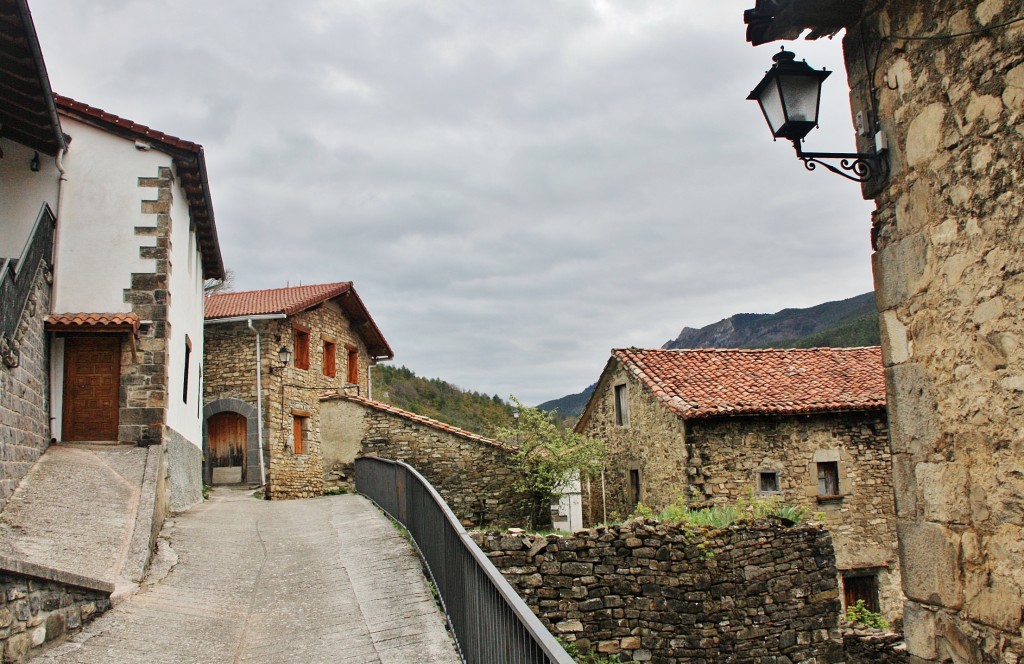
514 187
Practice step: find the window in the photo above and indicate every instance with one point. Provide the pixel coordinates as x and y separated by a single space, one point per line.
330 358
768 481
861 587
301 343
300 432
353 365
621 406
828 479
188 358
634 487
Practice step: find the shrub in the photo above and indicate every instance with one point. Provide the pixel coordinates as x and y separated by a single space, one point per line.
860 614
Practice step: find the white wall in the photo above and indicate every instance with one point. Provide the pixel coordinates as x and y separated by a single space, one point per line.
98 250
22 194
186 318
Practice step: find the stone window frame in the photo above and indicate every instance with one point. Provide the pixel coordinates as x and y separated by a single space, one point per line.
828 456
301 425
764 470
620 404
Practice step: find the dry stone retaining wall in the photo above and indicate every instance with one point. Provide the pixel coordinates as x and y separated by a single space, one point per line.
34 612
757 592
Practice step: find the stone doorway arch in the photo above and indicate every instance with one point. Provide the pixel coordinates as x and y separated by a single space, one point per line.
251 469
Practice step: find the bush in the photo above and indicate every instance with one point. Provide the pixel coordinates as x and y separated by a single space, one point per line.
860 614
748 507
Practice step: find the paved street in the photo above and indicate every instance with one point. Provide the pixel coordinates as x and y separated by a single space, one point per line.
244 580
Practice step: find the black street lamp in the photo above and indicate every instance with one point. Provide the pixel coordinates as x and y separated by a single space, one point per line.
790 96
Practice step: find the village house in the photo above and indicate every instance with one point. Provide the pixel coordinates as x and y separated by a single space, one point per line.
107 234
806 426
270 355
943 82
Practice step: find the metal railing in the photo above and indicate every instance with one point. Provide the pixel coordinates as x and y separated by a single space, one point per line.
491 623
17 276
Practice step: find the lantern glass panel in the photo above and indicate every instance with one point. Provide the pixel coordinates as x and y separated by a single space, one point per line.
801 95
771 106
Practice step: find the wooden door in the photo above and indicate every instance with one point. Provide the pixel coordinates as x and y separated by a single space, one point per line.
227 433
92 383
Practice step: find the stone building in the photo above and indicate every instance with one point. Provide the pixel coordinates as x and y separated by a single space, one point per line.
262 421
944 81
714 425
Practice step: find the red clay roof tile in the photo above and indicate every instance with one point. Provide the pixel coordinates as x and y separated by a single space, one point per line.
723 381
94 320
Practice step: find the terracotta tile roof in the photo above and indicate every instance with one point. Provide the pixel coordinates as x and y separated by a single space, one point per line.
93 320
292 300
66 104
189 161
420 419
714 382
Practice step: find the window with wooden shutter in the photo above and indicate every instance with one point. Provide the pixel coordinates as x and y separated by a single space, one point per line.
353 365
300 432
828 479
330 358
301 343
621 406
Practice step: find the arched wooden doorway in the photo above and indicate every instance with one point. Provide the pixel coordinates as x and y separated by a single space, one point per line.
227 436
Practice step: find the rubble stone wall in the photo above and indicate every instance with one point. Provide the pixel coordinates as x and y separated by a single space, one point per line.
473 475
949 279
34 612
655 592
728 454
24 394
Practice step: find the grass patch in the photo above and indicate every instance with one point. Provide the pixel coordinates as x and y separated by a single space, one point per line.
336 491
746 508
588 657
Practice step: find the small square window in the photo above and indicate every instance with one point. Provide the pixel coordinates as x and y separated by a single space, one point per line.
621 406
768 482
828 479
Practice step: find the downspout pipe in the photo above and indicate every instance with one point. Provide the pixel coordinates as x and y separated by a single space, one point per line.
54 259
259 405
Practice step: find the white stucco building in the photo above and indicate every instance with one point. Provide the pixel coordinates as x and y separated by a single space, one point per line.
135 240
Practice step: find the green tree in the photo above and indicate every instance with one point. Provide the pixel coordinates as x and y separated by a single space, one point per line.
548 458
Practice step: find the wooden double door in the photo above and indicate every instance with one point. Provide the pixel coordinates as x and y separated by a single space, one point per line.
227 434
92 385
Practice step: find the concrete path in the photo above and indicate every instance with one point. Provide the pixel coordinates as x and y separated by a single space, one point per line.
86 510
244 580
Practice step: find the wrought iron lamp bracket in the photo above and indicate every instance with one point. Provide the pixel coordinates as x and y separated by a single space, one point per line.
856 166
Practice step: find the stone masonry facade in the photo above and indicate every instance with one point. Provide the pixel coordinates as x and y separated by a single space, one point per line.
144 382
646 591
472 473
289 392
24 397
719 460
949 278
34 612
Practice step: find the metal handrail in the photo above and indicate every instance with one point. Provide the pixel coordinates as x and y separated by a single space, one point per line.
490 622
17 277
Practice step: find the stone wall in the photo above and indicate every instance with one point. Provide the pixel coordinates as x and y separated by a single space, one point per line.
949 278
727 455
472 473
757 592
34 611
230 360
24 395
653 442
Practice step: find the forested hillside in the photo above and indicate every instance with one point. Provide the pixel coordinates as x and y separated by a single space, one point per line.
433 397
